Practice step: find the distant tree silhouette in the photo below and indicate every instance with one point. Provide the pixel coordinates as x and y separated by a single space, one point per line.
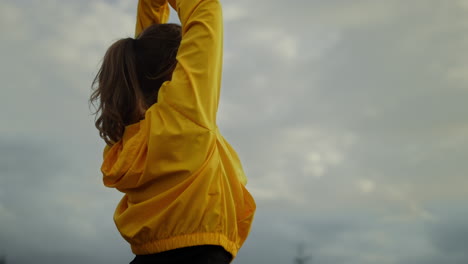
301 258
2 259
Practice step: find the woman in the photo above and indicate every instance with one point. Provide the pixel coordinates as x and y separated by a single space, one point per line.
157 95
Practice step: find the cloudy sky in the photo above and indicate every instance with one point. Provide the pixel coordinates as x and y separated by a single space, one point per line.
350 118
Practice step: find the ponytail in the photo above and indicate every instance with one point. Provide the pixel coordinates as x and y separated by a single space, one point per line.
118 94
130 76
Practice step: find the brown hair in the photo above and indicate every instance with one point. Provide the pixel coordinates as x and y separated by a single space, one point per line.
130 76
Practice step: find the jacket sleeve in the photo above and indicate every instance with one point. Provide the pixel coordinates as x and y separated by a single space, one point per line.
151 12
195 85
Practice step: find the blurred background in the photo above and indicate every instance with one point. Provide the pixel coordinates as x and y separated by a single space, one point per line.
350 118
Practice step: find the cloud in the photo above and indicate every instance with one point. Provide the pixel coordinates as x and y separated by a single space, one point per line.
349 117
43 211
446 236
233 12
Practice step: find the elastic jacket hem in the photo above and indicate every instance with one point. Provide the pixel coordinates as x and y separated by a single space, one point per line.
190 240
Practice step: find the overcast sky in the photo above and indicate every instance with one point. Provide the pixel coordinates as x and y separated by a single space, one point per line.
350 117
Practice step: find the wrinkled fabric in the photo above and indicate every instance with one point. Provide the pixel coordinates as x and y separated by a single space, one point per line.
183 183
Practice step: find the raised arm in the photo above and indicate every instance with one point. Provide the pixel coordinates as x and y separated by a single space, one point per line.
195 86
151 12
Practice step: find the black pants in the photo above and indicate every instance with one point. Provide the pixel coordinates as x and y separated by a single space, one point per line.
208 254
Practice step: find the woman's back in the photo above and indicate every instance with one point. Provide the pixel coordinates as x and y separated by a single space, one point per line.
183 182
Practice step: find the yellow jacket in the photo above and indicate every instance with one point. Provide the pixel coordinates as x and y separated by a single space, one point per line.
183 182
